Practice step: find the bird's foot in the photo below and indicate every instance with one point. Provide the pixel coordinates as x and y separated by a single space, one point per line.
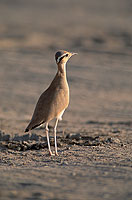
51 154
56 154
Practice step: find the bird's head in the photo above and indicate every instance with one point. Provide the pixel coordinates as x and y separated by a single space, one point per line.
62 56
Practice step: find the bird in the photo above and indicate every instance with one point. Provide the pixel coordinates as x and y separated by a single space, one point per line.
54 100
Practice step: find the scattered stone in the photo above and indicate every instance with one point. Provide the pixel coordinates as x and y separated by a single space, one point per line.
4 137
36 142
34 137
73 174
76 136
116 140
115 130
109 140
26 137
64 162
17 138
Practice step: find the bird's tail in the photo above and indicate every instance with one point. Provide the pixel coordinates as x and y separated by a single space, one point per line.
32 126
26 130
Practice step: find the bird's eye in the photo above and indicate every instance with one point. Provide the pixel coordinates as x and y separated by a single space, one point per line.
66 55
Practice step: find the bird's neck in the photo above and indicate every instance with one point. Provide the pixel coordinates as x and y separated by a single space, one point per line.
62 69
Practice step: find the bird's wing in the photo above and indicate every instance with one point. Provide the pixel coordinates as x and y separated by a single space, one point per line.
40 111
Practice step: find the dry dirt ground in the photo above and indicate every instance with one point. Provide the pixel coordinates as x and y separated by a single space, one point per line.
95 136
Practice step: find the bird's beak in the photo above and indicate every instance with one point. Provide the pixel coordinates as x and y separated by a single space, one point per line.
72 54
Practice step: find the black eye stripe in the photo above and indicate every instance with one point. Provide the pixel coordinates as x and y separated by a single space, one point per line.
63 57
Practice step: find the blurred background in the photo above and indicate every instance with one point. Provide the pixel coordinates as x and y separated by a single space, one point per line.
100 77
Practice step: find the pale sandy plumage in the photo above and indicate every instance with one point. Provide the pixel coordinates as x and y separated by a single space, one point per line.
53 101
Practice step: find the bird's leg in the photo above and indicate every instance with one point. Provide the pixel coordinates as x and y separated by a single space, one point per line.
47 134
55 137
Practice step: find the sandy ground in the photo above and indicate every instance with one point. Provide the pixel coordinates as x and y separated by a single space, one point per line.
95 136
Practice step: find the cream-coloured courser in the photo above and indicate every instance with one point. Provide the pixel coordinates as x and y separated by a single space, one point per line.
53 101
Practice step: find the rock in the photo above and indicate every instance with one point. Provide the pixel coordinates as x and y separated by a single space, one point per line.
4 137
109 140
115 130
34 137
116 140
76 136
26 137
17 138
68 136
